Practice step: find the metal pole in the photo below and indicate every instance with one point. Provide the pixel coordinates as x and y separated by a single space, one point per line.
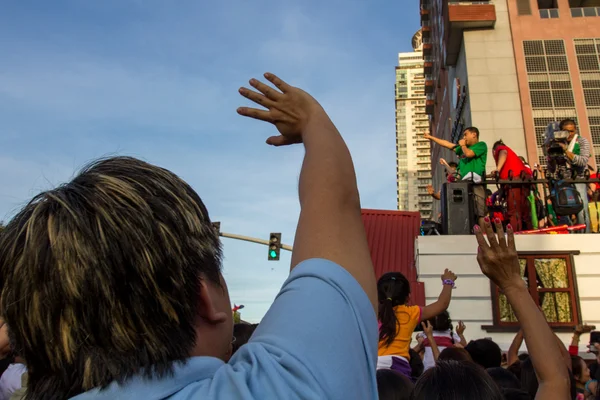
252 240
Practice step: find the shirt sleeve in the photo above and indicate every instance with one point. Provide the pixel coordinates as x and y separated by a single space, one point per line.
582 159
479 148
458 151
320 334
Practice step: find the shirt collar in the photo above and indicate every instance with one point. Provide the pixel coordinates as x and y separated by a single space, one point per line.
195 369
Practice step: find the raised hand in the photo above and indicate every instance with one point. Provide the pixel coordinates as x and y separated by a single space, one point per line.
498 260
289 109
460 329
427 328
444 162
449 275
427 136
430 190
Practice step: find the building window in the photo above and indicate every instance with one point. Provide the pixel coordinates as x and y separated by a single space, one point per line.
524 7
585 12
549 13
550 279
588 61
550 88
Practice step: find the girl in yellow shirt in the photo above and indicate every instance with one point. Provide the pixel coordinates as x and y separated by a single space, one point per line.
398 320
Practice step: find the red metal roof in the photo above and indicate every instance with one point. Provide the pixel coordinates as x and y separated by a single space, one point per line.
391 236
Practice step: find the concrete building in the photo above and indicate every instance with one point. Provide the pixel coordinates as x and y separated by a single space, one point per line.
413 172
510 68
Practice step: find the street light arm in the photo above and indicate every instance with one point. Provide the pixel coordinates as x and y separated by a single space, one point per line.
252 240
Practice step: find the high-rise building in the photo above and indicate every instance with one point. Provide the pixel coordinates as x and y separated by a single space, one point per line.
510 67
413 170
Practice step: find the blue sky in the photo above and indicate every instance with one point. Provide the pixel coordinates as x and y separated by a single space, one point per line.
158 80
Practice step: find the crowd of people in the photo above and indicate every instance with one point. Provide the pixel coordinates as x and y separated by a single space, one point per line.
519 202
112 289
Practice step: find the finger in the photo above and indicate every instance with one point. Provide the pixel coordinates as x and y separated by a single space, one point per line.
280 84
282 141
265 89
500 233
255 113
483 245
490 233
510 237
256 97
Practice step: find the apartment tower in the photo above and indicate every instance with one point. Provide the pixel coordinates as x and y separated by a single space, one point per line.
413 169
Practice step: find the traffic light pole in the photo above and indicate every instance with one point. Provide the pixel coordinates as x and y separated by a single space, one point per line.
252 240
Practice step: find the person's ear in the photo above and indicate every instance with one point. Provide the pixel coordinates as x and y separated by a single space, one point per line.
207 309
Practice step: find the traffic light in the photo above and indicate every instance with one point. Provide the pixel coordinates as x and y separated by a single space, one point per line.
274 246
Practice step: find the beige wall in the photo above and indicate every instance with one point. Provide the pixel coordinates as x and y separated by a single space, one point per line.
493 85
471 301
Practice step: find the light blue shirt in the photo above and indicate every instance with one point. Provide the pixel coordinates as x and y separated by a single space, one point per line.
317 341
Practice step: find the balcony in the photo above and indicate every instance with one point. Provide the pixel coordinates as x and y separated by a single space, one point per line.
426 31
429 86
427 49
425 16
430 107
467 15
428 67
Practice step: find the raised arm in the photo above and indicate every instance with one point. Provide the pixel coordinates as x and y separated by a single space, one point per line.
441 305
499 262
330 224
513 350
441 142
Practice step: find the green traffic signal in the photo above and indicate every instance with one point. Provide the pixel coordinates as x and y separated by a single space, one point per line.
274 246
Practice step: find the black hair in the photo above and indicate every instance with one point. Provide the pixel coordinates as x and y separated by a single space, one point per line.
472 129
453 380
453 164
515 369
515 394
485 352
392 385
498 143
576 366
416 364
454 354
442 322
242 333
504 378
393 290
523 356
529 381
567 121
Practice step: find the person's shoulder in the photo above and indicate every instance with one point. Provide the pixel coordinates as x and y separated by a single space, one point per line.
482 145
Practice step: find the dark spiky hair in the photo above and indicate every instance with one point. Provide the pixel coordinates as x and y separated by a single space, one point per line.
101 276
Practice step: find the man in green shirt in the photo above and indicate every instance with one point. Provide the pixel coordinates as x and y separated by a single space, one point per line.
471 152
472 156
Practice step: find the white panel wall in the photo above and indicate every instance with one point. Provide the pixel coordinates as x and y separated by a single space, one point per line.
471 300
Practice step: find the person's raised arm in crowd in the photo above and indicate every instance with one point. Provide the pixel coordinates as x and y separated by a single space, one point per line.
330 224
431 191
428 331
513 350
443 301
332 282
579 330
441 142
460 331
499 262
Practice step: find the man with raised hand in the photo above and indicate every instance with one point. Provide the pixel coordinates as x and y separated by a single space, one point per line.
112 284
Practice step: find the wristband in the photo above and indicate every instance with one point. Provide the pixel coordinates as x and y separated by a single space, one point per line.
449 282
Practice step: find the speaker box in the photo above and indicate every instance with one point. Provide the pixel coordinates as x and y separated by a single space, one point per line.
458 213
